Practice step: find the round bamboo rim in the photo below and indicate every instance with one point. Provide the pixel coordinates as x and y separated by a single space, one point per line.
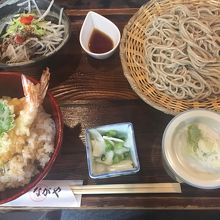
132 42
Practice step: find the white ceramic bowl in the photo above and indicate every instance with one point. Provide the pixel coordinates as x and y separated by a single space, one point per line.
96 21
180 161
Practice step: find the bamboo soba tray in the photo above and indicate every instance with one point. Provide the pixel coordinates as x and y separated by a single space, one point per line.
132 43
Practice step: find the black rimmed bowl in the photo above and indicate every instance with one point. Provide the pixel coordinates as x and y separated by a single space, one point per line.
8 10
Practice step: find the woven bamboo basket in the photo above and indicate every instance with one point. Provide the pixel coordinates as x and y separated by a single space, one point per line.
132 42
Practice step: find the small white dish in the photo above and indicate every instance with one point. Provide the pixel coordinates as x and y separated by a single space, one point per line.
96 21
182 161
99 170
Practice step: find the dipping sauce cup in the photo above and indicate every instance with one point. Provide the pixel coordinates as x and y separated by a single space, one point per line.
99 37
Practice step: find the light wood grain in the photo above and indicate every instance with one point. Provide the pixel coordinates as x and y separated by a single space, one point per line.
128 188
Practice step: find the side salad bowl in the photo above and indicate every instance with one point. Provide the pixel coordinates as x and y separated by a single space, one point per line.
31 31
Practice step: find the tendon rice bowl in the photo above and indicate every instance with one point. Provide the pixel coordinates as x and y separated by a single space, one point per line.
38 148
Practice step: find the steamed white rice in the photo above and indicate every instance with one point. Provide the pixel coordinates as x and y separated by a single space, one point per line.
33 157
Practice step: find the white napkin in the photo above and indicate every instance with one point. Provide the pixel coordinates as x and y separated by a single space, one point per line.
49 193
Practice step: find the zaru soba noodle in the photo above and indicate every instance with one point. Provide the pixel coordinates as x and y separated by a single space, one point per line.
30 34
182 52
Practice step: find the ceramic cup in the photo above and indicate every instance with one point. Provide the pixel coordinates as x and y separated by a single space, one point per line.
96 21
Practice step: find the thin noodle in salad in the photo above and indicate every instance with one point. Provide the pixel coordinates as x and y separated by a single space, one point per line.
30 35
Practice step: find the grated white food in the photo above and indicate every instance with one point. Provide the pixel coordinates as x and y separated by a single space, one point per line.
208 151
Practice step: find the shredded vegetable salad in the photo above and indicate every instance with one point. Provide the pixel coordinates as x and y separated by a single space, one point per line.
29 35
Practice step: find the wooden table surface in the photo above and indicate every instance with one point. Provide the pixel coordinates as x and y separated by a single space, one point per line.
95 92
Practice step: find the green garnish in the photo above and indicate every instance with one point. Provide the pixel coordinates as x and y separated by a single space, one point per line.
194 135
6 118
118 145
111 133
110 147
115 134
19 27
117 158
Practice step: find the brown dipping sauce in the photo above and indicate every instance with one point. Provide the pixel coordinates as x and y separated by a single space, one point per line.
99 42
